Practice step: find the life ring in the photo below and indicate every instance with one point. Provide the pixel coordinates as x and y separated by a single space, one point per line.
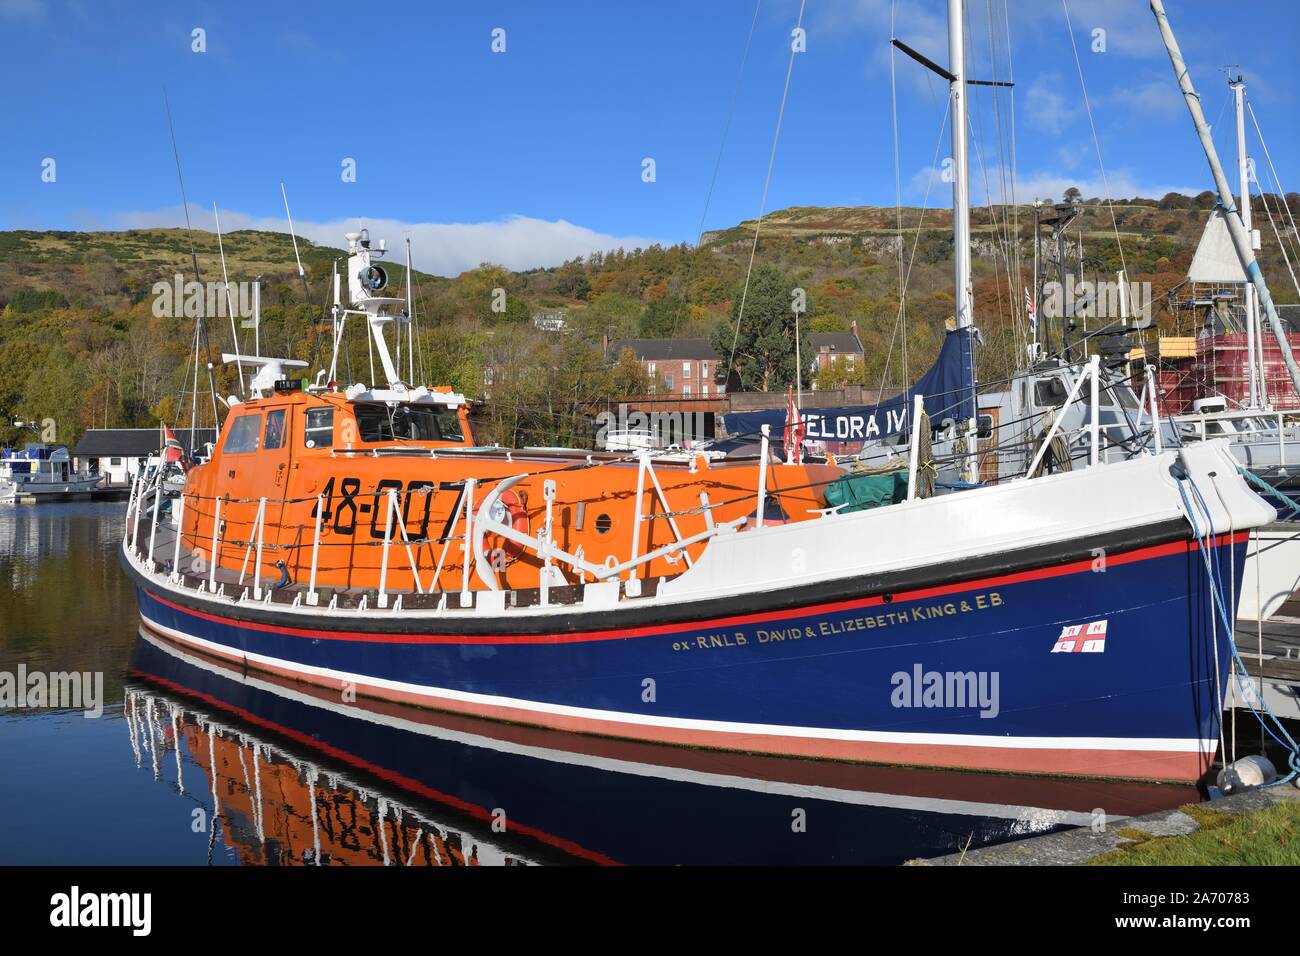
512 508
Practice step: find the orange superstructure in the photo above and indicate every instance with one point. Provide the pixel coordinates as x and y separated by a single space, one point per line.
372 490
309 458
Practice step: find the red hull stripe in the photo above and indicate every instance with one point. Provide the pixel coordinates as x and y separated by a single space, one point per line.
1037 574
401 780
1131 799
1185 766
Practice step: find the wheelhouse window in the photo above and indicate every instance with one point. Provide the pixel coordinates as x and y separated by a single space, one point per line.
1050 393
243 434
319 432
274 436
379 423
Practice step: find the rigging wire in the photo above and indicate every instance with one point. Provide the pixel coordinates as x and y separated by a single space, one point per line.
1018 306
1011 239
199 328
1095 141
726 129
898 189
916 241
1282 244
1268 156
762 207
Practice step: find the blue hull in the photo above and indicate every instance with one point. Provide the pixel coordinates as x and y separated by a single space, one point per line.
984 674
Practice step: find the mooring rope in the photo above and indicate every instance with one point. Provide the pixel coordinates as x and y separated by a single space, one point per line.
1220 605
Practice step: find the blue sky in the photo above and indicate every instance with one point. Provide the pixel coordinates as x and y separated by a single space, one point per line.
536 154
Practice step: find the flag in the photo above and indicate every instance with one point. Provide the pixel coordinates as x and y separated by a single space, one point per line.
171 447
795 430
1029 311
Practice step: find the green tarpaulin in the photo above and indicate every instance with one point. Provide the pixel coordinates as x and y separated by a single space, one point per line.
859 492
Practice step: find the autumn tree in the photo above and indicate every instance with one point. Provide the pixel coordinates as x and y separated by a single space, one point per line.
765 339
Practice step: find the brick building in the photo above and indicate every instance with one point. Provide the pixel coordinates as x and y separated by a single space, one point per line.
829 346
683 368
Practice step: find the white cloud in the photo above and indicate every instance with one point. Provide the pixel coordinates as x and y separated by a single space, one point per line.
1123 185
1157 98
1045 106
22 9
517 242
1130 26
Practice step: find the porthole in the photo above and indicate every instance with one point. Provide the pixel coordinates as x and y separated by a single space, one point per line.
603 523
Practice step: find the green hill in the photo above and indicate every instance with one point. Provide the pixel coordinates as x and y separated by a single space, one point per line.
80 344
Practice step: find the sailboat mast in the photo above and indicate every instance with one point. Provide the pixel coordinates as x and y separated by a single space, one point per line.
960 162
1240 239
1243 203
961 212
410 319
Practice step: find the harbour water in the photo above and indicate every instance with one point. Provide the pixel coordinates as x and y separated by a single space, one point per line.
194 762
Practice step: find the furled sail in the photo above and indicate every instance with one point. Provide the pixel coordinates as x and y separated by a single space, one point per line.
946 387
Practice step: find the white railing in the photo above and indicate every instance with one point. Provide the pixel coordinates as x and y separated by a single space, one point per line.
216 547
762 478
393 516
178 519
914 453
1093 371
249 548
312 597
153 524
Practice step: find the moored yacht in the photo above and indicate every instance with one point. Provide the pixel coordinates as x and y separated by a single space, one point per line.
41 472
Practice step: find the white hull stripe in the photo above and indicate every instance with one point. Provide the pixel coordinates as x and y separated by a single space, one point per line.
1156 744
1035 818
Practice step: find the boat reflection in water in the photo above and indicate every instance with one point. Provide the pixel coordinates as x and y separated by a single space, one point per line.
293 775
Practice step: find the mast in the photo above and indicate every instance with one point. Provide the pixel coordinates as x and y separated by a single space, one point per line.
410 319
1243 203
961 211
960 163
1240 239
230 305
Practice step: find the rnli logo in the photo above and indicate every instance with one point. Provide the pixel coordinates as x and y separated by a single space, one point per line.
1082 639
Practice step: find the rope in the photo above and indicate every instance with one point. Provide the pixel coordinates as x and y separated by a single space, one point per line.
1220 605
1268 489
1058 451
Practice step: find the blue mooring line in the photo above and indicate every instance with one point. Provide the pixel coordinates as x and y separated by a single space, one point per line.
1269 489
1293 755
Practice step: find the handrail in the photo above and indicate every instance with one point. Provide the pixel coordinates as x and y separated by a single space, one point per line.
1094 370
312 597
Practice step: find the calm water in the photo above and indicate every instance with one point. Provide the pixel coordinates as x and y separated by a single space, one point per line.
193 763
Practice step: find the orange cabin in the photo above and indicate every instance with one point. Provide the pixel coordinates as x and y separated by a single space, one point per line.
364 472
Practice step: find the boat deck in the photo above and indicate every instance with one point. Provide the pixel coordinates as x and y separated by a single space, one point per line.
1270 650
196 570
1279 640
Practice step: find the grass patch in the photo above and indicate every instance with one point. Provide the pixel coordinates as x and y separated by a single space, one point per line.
1267 837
